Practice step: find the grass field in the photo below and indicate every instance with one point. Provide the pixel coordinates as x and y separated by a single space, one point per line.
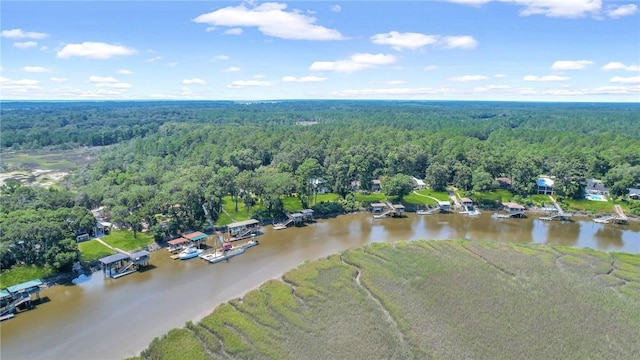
124 240
414 199
496 195
329 197
93 250
430 299
22 274
374 197
440 195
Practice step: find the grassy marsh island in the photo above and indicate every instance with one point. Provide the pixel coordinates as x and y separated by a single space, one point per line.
429 299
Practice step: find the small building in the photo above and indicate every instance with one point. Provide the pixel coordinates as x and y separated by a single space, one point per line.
504 182
634 194
319 186
545 185
178 244
513 208
298 218
375 185
243 227
377 208
102 228
444 206
120 264
399 209
596 187
83 236
196 237
307 214
466 202
355 185
419 183
25 289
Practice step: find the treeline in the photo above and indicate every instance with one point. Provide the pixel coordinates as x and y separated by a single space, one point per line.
33 125
258 162
38 226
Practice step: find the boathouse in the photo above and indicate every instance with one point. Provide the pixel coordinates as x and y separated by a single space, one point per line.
242 229
444 206
466 202
377 208
298 218
307 214
197 238
178 244
120 264
399 209
18 297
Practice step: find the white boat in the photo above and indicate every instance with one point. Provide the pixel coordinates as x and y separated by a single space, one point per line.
425 212
250 243
220 255
279 226
189 253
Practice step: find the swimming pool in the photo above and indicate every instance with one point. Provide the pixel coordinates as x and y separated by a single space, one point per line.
595 197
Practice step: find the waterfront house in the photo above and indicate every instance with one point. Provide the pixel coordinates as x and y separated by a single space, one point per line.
355 185
634 194
513 208
545 185
375 185
504 182
596 187
420 184
319 186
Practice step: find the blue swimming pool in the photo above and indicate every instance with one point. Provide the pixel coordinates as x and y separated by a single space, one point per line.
595 197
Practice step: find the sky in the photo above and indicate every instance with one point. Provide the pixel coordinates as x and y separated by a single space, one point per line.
511 50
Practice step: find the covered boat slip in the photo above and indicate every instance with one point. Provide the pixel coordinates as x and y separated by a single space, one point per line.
18 297
242 229
119 264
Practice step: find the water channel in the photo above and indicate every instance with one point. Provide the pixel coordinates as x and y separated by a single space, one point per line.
102 318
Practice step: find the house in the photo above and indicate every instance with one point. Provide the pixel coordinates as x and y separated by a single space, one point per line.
375 185
504 182
545 185
420 184
355 185
319 186
634 194
596 187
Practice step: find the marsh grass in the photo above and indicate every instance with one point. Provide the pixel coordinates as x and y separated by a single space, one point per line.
436 299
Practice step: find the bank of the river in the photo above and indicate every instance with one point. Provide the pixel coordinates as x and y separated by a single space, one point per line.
437 299
101 318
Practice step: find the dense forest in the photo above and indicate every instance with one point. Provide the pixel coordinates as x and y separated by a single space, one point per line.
171 159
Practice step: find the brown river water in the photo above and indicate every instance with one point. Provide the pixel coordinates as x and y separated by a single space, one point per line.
103 318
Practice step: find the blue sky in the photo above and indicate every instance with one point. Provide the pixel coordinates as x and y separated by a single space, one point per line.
520 50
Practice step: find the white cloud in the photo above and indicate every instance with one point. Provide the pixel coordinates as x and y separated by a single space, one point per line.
467 78
194 81
395 82
390 92
616 65
125 72
102 79
231 69
19 34
238 84
625 80
459 42
570 64
35 69
356 62
546 78
550 8
259 76
431 67
303 79
622 10
272 20
407 40
154 59
25 44
108 81
336 8
500 75
94 50
234 31
221 57
59 80
18 87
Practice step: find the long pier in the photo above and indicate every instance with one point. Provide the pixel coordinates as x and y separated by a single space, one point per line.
619 218
560 214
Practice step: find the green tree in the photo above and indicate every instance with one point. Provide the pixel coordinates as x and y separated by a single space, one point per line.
397 185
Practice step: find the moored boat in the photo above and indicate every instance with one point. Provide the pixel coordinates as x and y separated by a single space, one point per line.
279 226
220 255
189 253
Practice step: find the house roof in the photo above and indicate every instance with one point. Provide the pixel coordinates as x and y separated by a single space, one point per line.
243 223
466 200
4 294
113 258
375 182
545 182
177 241
24 286
594 184
512 205
633 191
378 205
139 254
195 236
307 211
445 202
419 182
504 180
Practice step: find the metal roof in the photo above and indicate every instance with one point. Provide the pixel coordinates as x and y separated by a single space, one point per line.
195 236
4 294
307 211
243 223
24 286
113 258
177 241
139 254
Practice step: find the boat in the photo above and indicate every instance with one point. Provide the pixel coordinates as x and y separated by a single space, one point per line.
250 243
425 212
220 255
189 253
279 226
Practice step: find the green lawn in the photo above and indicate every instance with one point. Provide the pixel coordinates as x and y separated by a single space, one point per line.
22 274
414 199
496 195
329 197
440 195
92 250
374 197
592 207
124 240
291 203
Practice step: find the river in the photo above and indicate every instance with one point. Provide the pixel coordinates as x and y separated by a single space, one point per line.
103 318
